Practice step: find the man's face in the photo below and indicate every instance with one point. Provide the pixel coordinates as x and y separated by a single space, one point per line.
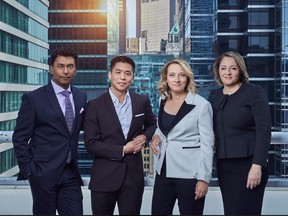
121 77
63 71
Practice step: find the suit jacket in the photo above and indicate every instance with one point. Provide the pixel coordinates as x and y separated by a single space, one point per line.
41 137
242 123
188 146
104 139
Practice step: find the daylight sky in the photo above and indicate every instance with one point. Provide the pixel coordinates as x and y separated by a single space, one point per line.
131 8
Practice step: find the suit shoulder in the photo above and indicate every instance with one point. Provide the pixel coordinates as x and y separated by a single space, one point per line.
138 96
78 90
201 101
200 98
217 91
39 91
253 86
215 94
99 99
253 89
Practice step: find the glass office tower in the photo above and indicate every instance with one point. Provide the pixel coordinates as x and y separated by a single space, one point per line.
92 29
23 65
249 28
197 31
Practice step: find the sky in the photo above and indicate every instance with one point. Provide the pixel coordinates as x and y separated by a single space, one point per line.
131 8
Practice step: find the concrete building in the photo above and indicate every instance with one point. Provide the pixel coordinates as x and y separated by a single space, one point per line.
157 18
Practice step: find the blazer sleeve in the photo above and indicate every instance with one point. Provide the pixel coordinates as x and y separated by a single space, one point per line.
262 117
149 123
22 133
205 125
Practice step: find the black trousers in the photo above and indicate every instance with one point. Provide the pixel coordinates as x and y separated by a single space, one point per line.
65 197
237 199
128 199
167 190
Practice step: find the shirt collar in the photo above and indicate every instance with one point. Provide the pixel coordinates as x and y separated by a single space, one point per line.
115 99
57 88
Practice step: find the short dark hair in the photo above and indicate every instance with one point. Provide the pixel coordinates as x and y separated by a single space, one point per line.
244 77
63 51
123 59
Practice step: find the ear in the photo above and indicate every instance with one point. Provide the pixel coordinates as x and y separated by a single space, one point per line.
109 75
51 70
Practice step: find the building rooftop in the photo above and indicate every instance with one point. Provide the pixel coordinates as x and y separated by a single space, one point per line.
16 199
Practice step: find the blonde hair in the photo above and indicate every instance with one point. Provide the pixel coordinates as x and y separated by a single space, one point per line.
244 76
163 88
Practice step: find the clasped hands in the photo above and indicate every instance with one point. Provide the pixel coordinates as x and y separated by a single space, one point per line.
136 145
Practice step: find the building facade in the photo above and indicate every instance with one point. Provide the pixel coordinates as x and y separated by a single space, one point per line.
157 18
122 26
23 65
93 30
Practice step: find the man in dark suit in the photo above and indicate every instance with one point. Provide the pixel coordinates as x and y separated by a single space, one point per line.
117 126
46 143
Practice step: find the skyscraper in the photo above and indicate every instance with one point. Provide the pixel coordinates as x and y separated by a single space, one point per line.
157 18
92 29
122 26
197 33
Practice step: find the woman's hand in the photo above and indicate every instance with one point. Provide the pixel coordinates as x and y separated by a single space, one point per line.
201 189
254 176
154 144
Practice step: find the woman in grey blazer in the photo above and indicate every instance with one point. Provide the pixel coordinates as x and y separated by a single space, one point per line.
182 144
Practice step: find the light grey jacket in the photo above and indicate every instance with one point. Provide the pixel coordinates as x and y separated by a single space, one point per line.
188 146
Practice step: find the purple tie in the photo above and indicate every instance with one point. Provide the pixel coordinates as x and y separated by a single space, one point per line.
69 117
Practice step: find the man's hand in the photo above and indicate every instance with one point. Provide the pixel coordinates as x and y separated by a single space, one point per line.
136 145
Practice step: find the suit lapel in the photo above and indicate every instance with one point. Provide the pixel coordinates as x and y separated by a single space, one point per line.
134 108
112 112
77 106
183 111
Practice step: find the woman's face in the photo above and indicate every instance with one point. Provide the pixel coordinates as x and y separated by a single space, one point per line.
229 72
176 78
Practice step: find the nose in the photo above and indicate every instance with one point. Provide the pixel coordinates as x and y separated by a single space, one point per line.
122 76
65 69
228 71
177 79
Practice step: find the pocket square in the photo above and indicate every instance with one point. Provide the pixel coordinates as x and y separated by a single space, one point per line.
138 115
81 110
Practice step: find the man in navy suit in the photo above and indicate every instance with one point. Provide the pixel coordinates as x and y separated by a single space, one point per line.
45 146
117 126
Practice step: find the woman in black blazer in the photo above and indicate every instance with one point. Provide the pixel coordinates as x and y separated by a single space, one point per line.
242 127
